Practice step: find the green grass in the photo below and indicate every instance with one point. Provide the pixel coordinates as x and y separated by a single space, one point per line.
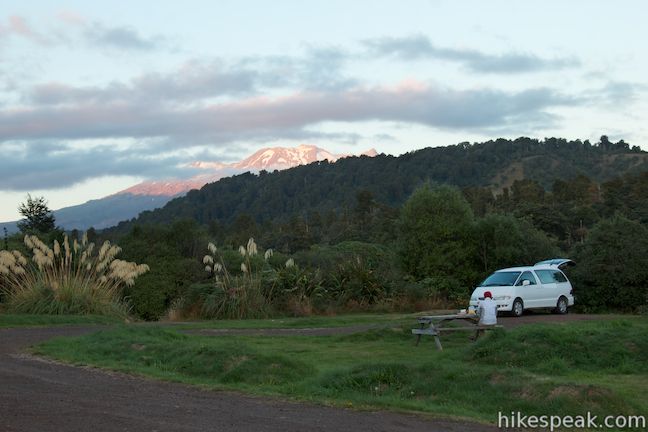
27 320
306 322
554 369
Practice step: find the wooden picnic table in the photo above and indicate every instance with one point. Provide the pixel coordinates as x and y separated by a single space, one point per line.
435 325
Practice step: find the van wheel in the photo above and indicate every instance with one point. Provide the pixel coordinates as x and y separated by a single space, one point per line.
561 306
518 308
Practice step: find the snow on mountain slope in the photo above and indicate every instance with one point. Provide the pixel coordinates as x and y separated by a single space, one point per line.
285 157
269 159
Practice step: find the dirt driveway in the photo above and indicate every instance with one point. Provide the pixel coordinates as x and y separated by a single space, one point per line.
41 396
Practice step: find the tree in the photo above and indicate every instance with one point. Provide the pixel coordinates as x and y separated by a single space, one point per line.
504 241
435 228
38 216
611 270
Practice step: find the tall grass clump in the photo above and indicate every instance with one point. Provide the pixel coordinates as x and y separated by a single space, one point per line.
235 295
74 278
248 283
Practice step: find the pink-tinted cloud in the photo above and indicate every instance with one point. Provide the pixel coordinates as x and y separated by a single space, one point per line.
275 117
71 18
18 26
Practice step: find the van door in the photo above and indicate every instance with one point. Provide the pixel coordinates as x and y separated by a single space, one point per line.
530 294
548 293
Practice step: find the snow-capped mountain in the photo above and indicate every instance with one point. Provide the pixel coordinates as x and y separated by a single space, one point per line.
283 157
149 195
269 159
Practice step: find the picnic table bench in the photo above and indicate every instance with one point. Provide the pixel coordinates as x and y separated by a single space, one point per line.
435 326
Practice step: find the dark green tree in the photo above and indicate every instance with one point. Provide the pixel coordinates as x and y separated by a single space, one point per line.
504 241
611 271
434 231
38 216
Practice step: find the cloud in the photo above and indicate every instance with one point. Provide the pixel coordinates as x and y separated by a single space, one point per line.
260 117
196 80
55 165
169 135
122 37
19 27
420 47
616 92
71 18
193 81
319 68
96 34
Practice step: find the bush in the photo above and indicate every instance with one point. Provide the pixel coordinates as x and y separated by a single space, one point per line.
232 294
170 278
67 278
354 273
294 289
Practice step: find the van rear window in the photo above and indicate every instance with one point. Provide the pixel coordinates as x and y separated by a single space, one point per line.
551 276
559 276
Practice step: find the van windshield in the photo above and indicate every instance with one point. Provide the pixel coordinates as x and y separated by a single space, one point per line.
501 279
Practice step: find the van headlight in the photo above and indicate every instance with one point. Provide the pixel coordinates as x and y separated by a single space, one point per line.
503 297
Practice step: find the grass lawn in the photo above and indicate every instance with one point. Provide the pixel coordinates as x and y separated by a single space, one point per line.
27 320
548 369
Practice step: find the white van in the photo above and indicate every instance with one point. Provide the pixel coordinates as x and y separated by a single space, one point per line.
515 289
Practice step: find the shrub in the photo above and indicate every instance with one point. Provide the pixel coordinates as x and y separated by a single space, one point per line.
354 273
294 289
356 283
232 295
154 293
67 279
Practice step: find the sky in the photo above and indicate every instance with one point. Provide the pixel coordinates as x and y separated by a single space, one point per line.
98 96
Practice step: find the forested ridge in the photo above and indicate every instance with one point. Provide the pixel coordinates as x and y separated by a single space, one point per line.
324 186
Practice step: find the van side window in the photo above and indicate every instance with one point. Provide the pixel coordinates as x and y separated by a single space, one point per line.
546 276
527 275
559 277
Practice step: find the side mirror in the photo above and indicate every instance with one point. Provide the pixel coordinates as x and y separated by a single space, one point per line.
526 282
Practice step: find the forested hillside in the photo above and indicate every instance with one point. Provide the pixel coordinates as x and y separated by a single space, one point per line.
390 180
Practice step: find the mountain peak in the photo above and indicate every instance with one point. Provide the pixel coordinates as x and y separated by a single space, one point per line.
371 152
285 157
269 159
